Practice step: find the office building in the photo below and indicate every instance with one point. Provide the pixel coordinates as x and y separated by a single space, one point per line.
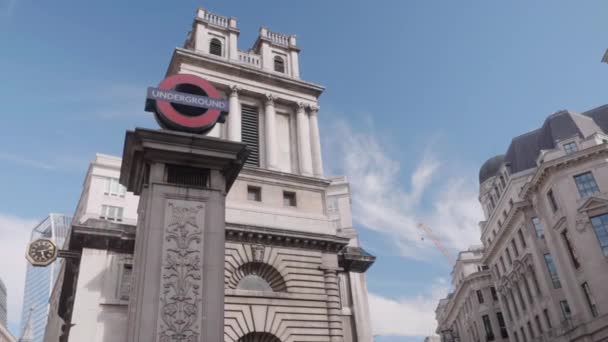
471 312
39 281
3 309
294 267
545 232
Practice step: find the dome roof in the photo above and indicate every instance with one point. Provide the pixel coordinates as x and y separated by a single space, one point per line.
490 167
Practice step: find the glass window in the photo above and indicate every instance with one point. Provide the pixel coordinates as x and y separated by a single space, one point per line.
111 213
552 201
215 47
547 318
600 226
254 193
113 187
514 245
538 227
509 259
586 184
497 271
566 313
494 294
516 336
502 263
502 181
521 238
253 282
570 247
590 299
289 199
488 327
552 271
480 296
279 64
570 147
523 334
502 325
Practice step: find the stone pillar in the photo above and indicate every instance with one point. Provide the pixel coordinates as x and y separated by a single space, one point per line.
330 271
315 142
178 272
270 133
304 155
333 305
234 116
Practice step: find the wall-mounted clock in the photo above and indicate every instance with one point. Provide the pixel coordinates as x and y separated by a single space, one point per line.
41 252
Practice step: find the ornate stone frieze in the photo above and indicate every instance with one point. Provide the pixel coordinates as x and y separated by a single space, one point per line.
181 275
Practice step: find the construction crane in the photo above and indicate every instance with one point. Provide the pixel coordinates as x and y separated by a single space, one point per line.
429 233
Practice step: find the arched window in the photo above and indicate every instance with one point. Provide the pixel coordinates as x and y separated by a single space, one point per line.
215 47
259 337
279 64
257 276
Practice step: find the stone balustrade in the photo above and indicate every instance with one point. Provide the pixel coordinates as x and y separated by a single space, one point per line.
250 58
278 38
216 19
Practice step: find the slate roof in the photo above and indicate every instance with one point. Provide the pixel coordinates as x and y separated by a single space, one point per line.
524 149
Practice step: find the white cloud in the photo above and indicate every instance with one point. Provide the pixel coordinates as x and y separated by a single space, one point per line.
14 236
408 316
382 201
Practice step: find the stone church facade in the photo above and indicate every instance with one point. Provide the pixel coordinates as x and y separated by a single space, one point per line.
294 269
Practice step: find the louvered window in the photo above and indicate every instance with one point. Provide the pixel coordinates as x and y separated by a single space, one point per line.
249 129
215 47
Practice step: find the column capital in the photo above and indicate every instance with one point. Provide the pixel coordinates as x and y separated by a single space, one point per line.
270 99
301 106
313 109
234 90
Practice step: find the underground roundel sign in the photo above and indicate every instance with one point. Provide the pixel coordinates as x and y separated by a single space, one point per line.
186 103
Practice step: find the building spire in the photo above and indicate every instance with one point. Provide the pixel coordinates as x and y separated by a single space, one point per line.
28 331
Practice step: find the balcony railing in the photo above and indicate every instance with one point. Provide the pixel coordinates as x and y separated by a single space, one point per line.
250 58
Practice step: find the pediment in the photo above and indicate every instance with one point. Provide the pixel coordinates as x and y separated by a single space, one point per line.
592 203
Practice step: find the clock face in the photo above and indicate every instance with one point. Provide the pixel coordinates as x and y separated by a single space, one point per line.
41 252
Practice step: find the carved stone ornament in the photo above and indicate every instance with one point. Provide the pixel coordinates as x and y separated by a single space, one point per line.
258 253
270 99
181 276
582 222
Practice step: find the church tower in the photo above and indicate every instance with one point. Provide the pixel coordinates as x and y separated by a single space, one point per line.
294 268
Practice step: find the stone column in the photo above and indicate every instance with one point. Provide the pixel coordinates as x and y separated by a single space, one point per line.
234 116
270 133
304 154
315 142
182 180
333 305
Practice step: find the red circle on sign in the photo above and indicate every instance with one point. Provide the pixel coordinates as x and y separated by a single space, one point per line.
198 122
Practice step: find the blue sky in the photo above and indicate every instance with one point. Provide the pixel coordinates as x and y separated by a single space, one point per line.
419 94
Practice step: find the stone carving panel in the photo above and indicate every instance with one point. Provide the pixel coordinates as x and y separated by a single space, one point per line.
181 274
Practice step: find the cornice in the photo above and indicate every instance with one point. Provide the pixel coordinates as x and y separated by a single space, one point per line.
241 70
284 238
282 176
546 169
512 215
